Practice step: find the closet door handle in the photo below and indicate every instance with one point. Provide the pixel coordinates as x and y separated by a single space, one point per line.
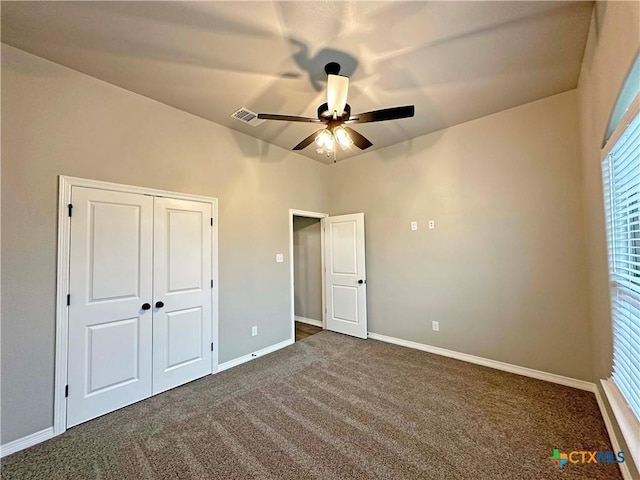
146 306
159 304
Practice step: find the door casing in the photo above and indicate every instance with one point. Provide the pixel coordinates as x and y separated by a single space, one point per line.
62 282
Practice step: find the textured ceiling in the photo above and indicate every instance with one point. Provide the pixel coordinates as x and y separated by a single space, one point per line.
455 61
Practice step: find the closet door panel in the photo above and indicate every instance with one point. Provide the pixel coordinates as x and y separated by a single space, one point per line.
109 356
182 292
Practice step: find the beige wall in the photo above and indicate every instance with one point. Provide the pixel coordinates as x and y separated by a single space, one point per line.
504 270
307 266
59 122
613 43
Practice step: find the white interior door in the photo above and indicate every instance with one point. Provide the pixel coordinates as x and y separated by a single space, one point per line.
109 356
345 276
182 292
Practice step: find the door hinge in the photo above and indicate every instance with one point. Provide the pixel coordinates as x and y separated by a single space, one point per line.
68 299
211 283
66 391
212 221
69 208
212 346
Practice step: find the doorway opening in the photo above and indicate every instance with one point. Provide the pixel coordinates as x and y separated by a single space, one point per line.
307 273
343 284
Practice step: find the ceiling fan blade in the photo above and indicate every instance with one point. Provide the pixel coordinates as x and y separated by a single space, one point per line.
337 89
307 141
393 113
287 118
358 140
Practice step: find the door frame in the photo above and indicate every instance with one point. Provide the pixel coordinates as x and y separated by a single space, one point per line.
321 216
62 279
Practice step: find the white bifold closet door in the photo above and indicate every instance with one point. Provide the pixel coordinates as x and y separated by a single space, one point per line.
140 298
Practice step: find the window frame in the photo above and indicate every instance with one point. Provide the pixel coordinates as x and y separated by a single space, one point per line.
628 422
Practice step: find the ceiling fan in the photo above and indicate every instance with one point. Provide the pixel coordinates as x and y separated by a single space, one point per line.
336 115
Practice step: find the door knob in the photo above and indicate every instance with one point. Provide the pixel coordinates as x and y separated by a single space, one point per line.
159 304
146 306
360 282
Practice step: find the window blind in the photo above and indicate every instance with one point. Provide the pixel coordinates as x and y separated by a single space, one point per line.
621 178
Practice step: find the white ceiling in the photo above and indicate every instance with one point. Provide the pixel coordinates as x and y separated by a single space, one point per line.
455 61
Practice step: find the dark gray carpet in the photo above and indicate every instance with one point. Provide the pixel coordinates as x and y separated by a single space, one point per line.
335 407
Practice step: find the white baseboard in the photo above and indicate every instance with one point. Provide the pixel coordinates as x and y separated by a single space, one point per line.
507 367
25 442
624 468
251 356
310 321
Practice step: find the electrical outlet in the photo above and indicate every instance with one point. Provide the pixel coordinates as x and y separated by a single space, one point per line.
279 258
254 330
432 224
414 225
435 326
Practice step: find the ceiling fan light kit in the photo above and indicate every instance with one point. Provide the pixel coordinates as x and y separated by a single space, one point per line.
342 137
325 140
336 114
328 138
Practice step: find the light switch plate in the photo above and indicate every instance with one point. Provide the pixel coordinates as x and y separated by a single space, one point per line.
279 258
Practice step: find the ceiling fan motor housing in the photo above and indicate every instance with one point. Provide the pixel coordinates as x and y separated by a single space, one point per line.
325 115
